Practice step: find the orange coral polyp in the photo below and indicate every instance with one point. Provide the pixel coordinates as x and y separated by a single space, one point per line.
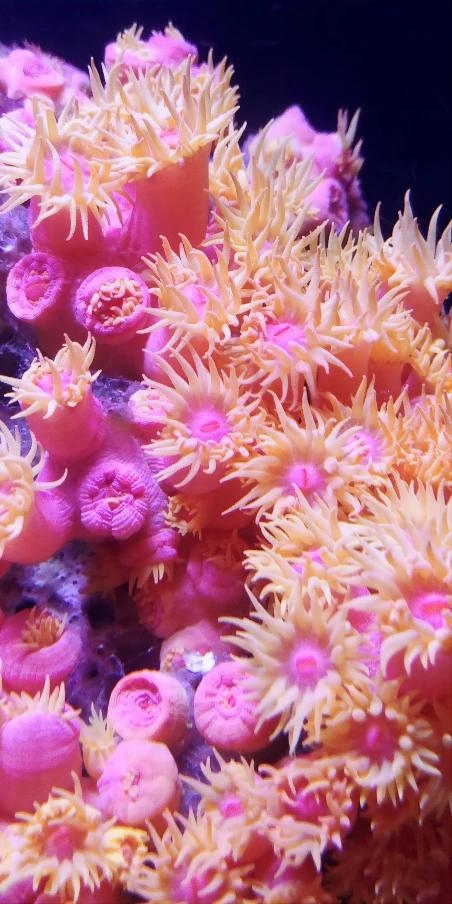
423 266
386 742
23 514
290 335
405 554
200 301
311 459
208 423
300 658
64 846
187 865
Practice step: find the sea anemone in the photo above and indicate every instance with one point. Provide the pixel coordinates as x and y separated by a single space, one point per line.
268 206
235 796
209 423
299 661
423 266
377 327
408 866
161 126
73 166
289 335
48 384
199 302
191 513
35 644
305 542
63 167
311 793
274 883
422 433
379 449
331 151
436 789
207 581
430 364
167 48
47 725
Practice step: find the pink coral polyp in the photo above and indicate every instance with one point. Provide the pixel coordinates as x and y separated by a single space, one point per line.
24 73
35 287
113 501
225 712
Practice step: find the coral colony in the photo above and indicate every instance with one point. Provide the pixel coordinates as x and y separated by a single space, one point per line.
237 420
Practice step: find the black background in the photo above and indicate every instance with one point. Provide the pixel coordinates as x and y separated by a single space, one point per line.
392 59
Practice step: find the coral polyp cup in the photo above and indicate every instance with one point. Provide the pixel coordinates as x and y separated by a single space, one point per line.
150 706
111 303
138 783
226 711
38 751
35 287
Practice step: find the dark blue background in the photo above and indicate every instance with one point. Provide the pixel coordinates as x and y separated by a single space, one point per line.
392 59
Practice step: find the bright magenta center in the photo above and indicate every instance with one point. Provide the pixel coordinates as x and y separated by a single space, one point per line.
309 663
208 424
307 477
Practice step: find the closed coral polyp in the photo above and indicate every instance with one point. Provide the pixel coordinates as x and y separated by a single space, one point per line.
139 781
35 287
149 706
113 501
226 714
